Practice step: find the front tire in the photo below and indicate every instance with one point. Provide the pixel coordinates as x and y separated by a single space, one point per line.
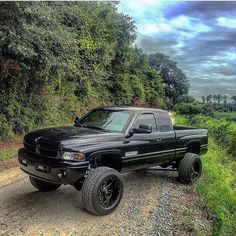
43 186
190 168
102 190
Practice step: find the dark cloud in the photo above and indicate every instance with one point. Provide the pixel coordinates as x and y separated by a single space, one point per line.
200 36
202 9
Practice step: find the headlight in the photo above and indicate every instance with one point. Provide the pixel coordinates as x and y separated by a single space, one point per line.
73 156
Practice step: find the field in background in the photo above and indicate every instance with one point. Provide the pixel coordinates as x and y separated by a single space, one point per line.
230 116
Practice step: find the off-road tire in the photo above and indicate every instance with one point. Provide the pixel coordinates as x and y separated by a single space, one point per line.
43 186
188 165
91 190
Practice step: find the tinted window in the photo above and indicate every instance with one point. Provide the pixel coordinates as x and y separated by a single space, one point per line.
147 119
164 122
107 119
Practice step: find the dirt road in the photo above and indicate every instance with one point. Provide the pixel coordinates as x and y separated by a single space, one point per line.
154 203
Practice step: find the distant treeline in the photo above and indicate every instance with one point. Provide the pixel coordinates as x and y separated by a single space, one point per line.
58 59
188 105
220 102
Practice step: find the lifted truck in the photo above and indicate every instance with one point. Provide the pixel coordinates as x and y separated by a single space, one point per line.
91 154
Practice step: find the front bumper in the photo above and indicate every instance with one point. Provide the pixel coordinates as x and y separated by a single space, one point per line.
51 170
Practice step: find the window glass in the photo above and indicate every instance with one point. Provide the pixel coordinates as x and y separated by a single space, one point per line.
147 119
164 122
107 119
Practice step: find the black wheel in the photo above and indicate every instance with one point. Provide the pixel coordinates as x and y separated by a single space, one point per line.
43 186
190 168
102 190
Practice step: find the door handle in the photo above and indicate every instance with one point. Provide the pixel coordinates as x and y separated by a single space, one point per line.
158 139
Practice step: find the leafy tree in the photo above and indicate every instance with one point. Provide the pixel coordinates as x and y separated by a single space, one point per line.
233 98
203 99
219 98
225 99
62 58
175 81
209 98
214 98
186 99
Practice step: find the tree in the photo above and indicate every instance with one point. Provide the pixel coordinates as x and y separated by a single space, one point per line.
233 98
219 98
186 99
209 98
225 100
214 98
203 99
175 81
62 58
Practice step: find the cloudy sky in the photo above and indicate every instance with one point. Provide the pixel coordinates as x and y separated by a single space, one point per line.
200 36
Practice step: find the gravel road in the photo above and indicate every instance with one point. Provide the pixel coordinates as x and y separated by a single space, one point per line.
154 203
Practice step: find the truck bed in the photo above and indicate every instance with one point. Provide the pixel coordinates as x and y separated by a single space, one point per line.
178 127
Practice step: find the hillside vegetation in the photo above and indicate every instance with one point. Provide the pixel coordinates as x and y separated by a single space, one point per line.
58 59
216 189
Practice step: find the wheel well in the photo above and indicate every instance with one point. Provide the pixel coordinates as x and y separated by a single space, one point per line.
194 147
112 160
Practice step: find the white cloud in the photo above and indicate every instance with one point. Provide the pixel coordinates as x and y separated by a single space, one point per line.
180 21
227 22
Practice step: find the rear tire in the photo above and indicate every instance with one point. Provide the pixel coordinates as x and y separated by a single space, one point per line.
43 186
102 190
190 168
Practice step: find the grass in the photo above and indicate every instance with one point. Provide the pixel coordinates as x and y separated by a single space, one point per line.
217 187
230 116
8 153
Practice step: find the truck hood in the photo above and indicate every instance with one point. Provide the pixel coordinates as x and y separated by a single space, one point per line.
73 135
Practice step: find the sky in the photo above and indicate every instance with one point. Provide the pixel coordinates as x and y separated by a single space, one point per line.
200 36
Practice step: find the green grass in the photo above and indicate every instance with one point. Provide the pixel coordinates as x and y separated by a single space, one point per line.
231 116
8 153
217 187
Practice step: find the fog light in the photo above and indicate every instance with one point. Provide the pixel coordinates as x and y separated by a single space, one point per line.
24 162
62 174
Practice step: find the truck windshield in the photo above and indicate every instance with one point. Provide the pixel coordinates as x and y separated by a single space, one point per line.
106 120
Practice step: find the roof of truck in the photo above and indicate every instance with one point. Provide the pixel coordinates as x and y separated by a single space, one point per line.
130 108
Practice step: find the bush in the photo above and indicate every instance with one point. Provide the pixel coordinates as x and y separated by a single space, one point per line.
223 131
194 108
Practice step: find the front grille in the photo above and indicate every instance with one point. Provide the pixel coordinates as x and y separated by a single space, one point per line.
41 147
47 148
30 144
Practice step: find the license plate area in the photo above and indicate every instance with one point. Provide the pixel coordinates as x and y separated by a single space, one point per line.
42 168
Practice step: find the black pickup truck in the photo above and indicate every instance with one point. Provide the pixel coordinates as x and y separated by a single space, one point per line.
91 154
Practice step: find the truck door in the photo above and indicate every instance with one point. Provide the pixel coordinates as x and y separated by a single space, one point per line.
142 150
166 135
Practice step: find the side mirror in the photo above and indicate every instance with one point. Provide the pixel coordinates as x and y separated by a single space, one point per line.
143 129
77 119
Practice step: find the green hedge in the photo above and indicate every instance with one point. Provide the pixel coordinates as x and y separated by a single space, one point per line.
223 131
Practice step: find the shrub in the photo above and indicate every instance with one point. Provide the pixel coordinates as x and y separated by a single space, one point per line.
194 108
223 131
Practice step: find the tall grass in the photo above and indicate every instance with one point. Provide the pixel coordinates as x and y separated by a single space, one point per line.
217 190
217 187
